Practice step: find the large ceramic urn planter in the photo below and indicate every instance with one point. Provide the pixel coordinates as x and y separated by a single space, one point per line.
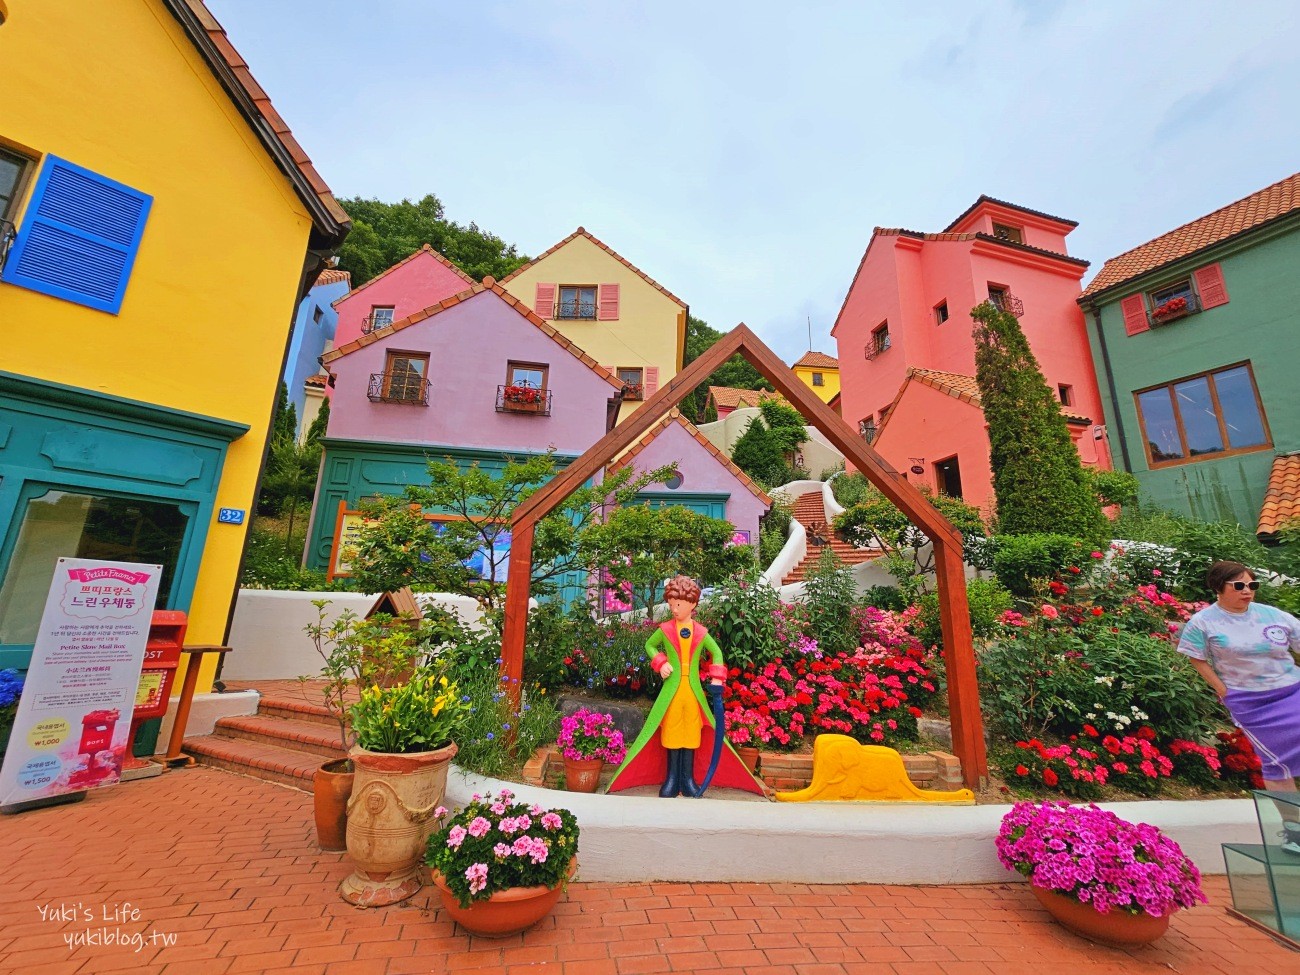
390 819
331 789
1112 928
582 774
507 911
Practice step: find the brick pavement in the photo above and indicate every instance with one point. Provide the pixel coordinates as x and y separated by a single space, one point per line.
226 865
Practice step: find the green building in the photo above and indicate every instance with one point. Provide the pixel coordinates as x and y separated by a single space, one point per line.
1195 336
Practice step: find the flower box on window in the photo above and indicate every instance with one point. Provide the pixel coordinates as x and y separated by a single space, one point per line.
1174 308
523 399
633 391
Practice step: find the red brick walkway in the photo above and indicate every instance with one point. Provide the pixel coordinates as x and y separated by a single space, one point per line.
226 866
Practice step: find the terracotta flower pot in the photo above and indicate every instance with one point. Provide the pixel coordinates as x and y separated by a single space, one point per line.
331 789
749 755
582 774
390 819
1113 928
507 911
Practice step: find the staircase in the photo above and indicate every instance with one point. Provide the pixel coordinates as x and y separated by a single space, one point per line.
286 741
808 511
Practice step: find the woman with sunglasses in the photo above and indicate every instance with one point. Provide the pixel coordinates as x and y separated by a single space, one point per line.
1244 651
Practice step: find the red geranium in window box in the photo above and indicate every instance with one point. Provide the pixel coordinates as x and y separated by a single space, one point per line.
1170 308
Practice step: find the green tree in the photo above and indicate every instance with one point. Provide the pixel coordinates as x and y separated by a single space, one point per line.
640 546
284 421
1037 476
765 451
319 424
385 233
736 372
290 479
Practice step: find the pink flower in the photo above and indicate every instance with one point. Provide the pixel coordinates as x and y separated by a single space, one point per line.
1157 573
476 874
479 827
501 850
440 812
1049 611
1097 555
552 821
456 836
498 808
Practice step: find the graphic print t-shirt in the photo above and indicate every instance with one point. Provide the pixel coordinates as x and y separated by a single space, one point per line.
1250 651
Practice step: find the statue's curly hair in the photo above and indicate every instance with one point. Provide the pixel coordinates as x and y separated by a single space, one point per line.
682 587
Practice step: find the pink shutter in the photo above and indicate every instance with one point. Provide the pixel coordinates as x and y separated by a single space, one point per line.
1209 283
1134 308
544 305
608 303
651 381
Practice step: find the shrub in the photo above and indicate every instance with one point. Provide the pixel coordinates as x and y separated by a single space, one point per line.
271 562
851 489
1113 487
741 614
830 599
1020 561
885 597
773 529
494 739
986 601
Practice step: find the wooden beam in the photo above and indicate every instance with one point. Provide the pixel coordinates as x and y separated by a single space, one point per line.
959 659
519 580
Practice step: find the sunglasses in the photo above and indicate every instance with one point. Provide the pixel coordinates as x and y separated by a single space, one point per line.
1239 586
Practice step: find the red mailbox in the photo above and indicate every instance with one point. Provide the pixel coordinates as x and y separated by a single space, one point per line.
162 656
97 731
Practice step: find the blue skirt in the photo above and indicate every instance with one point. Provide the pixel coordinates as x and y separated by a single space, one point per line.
1271 720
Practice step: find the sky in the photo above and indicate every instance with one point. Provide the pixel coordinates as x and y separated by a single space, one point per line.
741 153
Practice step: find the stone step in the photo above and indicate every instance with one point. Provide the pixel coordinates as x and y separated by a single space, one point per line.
303 736
296 710
258 759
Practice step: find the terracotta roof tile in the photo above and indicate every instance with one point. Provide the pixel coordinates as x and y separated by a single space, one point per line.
332 275
489 284
1282 499
818 360
1010 206
582 232
1246 214
320 380
729 397
425 249
674 416
227 62
958 386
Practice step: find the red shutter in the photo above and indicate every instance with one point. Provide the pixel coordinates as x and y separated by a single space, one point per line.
608 301
1209 283
1134 308
651 381
545 302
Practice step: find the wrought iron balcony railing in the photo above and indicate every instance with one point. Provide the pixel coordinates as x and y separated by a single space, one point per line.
372 322
1009 303
877 345
1174 308
576 310
389 387
523 398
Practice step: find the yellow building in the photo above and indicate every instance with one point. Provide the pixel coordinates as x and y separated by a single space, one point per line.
160 225
820 373
609 308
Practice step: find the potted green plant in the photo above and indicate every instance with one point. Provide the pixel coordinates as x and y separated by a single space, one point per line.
500 866
1102 877
404 746
355 653
588 739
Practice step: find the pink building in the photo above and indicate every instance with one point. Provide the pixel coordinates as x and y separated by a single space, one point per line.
905 342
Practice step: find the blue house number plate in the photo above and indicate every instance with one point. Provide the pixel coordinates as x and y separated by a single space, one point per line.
231 516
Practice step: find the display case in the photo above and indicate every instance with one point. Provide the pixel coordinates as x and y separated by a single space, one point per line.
1265 879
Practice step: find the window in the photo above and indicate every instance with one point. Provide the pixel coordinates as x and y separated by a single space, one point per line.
84 526
577 301
13 176
879 340
674 481
941 313
1213 414
884 413
531 375
80 236
381 316
405 378
1004 231
1066 394
867 427
1173 301
317 314
947 475
819 379
633 378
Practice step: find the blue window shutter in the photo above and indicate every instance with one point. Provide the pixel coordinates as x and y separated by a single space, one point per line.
79 237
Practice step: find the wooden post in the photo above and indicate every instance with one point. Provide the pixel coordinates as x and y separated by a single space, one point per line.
959 658
175 757
519 580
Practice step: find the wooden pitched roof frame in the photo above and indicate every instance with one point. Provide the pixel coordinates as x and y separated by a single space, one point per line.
959 654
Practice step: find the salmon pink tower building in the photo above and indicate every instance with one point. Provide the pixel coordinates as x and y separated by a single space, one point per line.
907 355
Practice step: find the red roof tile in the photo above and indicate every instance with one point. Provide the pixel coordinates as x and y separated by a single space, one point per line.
1223 224
673 416
818 360
332 275
1282 499
489 284
426 249
320 380
582 232
729 397
209 38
